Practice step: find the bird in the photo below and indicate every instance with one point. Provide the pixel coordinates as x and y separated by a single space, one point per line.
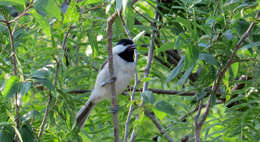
124 68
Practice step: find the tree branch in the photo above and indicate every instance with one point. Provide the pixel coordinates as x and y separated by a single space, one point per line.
158 125
110 21
55 84
145 85
131 108
19 16
14 62
156 91
220 77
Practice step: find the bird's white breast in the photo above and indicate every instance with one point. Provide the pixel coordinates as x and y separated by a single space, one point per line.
123 71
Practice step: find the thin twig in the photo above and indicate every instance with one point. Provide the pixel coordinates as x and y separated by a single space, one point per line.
55 84
155 91
158 125
45 116
17 17
221 75
145 85
183 118
14 62
125 27
49 103
213 25
110 21
131 108
148 20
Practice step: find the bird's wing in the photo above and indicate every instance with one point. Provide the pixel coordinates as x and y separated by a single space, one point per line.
107 80
103 65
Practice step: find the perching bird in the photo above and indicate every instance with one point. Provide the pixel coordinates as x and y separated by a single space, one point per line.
124 68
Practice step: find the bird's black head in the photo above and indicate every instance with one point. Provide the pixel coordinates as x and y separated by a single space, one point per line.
125 42
126 49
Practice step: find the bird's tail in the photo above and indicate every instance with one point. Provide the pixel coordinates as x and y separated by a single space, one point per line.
83 113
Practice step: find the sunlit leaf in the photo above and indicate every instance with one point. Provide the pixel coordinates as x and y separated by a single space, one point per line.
72 13
235 68
42 22
48 8
138 36
14 2
10 87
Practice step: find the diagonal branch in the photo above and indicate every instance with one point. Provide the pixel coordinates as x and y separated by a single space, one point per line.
19 16
220 77
110 21
156 122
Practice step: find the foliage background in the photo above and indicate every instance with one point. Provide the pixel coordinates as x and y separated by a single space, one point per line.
194 40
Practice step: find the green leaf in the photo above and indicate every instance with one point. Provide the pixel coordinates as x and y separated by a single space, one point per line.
184 22
42 22
228 35
18 134
124 5
41 74
48 7
159 114
24 88
148 97
46 83
146 79
72 14
138 36
185 76
235 68
10 86
87 2
12 2
29 115
165 107
165 47
251 45
2 17
93 41
5 124
7 134
208 58
212 100
192 55
201 95
27 133
177 69
203 45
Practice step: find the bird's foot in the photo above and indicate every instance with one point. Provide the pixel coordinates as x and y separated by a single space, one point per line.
113 110
112 80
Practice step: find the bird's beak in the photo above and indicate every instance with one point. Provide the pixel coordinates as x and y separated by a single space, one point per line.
133 46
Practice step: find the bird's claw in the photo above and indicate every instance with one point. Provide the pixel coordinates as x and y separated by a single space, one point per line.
112 80
113 110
